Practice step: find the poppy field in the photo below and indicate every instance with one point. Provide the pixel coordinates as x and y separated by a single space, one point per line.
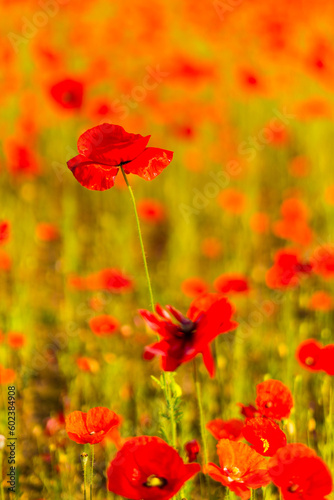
167 250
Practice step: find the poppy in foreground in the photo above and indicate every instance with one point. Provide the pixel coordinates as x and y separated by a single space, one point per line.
265 435
183 337
241 468
147 468
106 148
300 473
90 427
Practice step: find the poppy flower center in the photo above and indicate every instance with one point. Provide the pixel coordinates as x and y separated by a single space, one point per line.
233 474
155 482
68 97
309 361
269 404
294 488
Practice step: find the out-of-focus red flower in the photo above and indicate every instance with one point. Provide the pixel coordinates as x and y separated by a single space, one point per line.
264 435
21 160
274 399
192 449
7 375
208 316
321 301
106 148
232 201
90 427
68 93
294 226
55 424
151 210
16 340
4 232
299 473
231 284
226 429
241 468
250 81
323 261
308 354
111 280
5 261
147 468
88 364
192 287
259 223
287 270
103 325
47 232
211 248
299 166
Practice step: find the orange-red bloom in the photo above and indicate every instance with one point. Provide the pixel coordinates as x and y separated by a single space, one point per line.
231 284
16 340
151 211
241 468
265 435
111 280
287 270
106 148
68 93
90 427
47 232
183 337
147 468
7 375
274 399
103 325
192 287
308 354
299 473
192 449
226 429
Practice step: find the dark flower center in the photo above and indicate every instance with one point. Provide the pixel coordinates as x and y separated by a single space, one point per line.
309 361
155 482
269 404
68 97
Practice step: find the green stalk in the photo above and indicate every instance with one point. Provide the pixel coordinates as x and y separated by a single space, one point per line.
84 460
140 239
92 471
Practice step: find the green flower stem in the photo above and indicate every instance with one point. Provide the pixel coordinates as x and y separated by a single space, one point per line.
167 379
92 471
140 240
84 460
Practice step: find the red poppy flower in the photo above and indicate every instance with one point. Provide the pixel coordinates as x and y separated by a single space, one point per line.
90 427
192 287
274 399
111 280
209 316
47 232
308 355
287 270
88 365
4 232
103 325
55 424
147 468
5 261
228 429
240 468
192 449
16 340
264 435
105 148
7 375
231 283
321 301
21 159
68 93
151 211
299 473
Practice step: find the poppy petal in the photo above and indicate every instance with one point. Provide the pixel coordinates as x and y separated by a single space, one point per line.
111 144
92 175
149 163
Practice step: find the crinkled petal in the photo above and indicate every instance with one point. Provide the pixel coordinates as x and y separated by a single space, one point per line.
150 163
92 175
